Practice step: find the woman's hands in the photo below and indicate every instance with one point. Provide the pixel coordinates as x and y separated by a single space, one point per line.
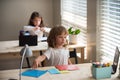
36 28
42 29
39 28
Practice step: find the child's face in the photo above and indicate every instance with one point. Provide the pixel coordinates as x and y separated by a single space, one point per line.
61 39
36 21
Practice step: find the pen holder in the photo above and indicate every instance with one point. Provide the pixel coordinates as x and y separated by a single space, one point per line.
102 72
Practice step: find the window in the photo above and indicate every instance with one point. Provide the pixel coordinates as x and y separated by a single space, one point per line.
108 29
73 14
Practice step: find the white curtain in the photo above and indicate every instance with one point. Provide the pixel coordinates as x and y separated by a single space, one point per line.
108 29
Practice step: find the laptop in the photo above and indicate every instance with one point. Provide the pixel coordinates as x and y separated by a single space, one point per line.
115 61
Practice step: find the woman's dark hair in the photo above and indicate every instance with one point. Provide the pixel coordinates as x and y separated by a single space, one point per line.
33 15
55 31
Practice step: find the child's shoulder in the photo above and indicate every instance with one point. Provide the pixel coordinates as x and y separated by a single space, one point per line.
50 49
66 47
54 50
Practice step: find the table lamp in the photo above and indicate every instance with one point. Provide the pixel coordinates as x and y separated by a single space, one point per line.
25 52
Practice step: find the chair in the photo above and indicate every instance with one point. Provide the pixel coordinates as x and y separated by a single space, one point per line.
73 54
42 64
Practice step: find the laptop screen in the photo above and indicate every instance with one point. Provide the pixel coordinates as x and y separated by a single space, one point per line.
116 60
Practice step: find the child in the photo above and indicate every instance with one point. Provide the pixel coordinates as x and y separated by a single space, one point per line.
36 25
57 52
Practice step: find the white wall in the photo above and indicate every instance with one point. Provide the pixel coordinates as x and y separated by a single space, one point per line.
57 12
91 29
14 14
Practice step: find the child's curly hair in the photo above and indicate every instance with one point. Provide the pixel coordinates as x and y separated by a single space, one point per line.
55 31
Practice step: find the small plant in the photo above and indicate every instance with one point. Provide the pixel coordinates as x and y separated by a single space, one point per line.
73 32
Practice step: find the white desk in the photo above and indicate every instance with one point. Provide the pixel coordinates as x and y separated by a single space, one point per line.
84 73
13 47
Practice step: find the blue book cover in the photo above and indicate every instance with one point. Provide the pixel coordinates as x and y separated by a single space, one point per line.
33 73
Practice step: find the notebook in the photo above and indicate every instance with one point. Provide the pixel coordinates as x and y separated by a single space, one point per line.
54 71
67 67
33 73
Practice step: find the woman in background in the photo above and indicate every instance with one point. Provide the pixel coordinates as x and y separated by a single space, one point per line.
36 25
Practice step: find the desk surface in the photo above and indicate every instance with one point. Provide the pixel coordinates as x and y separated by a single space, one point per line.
13 46
84 73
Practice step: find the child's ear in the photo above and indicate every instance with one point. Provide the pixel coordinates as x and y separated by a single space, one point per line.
66 43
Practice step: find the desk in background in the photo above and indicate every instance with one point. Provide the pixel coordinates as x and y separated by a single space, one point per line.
12 47
84 73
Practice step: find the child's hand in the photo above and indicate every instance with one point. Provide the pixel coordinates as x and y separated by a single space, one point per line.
36 63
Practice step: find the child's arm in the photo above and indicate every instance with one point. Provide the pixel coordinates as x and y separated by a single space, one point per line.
38 61
69 61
